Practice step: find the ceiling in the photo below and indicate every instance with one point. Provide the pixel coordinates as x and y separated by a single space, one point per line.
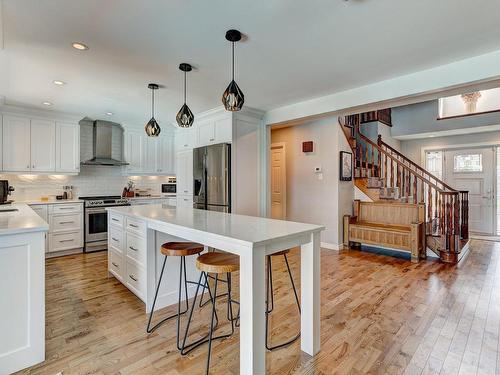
294 50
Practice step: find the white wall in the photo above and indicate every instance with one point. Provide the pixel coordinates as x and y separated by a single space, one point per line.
413 148
310 199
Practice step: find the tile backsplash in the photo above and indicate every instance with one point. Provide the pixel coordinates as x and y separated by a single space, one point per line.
92 180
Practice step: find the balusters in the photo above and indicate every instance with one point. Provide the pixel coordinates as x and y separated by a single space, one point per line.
415 189
373 162
429 207
392 173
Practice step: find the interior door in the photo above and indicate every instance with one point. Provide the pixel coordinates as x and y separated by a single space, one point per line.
473 170
278 181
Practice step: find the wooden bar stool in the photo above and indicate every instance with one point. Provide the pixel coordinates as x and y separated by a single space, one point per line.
175 249
216 263
270 286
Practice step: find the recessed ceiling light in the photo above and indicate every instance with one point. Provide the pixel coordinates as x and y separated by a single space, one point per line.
59 83
109 113
48 104
80 46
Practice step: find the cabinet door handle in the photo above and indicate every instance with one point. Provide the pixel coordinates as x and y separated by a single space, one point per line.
134 226
114 239
185 145
132 277
28 166
114 264
33 166
66 222
133 248
114 219
65 240
212 139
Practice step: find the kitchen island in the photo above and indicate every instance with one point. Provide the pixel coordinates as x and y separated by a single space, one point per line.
22 290
252 238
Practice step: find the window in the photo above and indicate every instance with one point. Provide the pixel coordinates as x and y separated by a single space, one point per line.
434 163
468 163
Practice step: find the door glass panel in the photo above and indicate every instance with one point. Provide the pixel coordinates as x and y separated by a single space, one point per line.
98 223
434 163
468 163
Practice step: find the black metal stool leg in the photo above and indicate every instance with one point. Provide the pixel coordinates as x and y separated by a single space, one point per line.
268 346
214 300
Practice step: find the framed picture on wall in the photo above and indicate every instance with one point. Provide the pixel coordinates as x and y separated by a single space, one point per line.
345 166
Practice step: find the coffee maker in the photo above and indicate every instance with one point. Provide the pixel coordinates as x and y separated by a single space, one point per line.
5 191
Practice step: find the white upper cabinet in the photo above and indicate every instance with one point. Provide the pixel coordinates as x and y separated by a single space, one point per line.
165 155
16 144
43 146
39 145
67 148
213 131
134 151
149 155
185 139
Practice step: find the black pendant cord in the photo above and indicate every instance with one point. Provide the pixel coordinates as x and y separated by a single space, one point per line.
233 60
152 103
185 87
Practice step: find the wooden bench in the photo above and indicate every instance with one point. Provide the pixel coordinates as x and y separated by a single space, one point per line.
387 224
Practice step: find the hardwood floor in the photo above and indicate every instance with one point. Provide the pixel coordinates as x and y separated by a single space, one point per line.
380 315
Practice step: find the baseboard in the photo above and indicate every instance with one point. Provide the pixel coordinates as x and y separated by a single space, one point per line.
332 246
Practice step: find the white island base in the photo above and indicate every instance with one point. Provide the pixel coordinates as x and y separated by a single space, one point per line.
22 289
134 259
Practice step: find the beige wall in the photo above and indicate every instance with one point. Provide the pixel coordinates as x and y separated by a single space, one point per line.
310 199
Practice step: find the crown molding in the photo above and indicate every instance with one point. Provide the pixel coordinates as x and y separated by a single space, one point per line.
38 113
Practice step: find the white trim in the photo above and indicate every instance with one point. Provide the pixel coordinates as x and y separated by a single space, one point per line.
448 133
332 246
35 113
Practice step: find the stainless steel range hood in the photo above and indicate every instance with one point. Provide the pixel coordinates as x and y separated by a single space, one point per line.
107 138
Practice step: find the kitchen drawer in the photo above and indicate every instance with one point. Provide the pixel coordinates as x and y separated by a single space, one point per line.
135 226
136 248
115 264
65 208
115 219
115 239
66 222
65 241
136 279
184 201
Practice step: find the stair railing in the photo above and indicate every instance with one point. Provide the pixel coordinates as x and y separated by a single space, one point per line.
446 208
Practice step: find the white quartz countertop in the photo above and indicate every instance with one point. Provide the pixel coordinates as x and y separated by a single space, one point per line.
248 229
61 201
23 220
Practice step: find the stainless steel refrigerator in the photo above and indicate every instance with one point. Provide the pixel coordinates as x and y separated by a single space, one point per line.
212 177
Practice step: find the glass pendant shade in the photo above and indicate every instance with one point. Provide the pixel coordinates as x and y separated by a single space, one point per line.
233 97
152 128
185 117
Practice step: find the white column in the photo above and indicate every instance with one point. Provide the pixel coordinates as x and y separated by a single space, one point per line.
310 320
252 312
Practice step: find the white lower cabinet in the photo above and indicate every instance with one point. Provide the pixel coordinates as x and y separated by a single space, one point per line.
127 252
184 200
65 225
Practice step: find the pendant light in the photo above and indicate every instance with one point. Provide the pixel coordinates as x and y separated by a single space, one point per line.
233 97
185 117
152 128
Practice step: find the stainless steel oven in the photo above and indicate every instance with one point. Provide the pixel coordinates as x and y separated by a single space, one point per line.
96 220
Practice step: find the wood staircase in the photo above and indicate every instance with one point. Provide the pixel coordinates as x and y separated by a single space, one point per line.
381 172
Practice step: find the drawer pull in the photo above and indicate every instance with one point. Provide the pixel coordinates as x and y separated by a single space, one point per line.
66 222
133 277
185 191
114 264
133 248
114 239
67 208
134 226
65 241
114 219
212 139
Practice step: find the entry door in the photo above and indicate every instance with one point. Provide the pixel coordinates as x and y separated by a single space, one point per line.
473 170
278 181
